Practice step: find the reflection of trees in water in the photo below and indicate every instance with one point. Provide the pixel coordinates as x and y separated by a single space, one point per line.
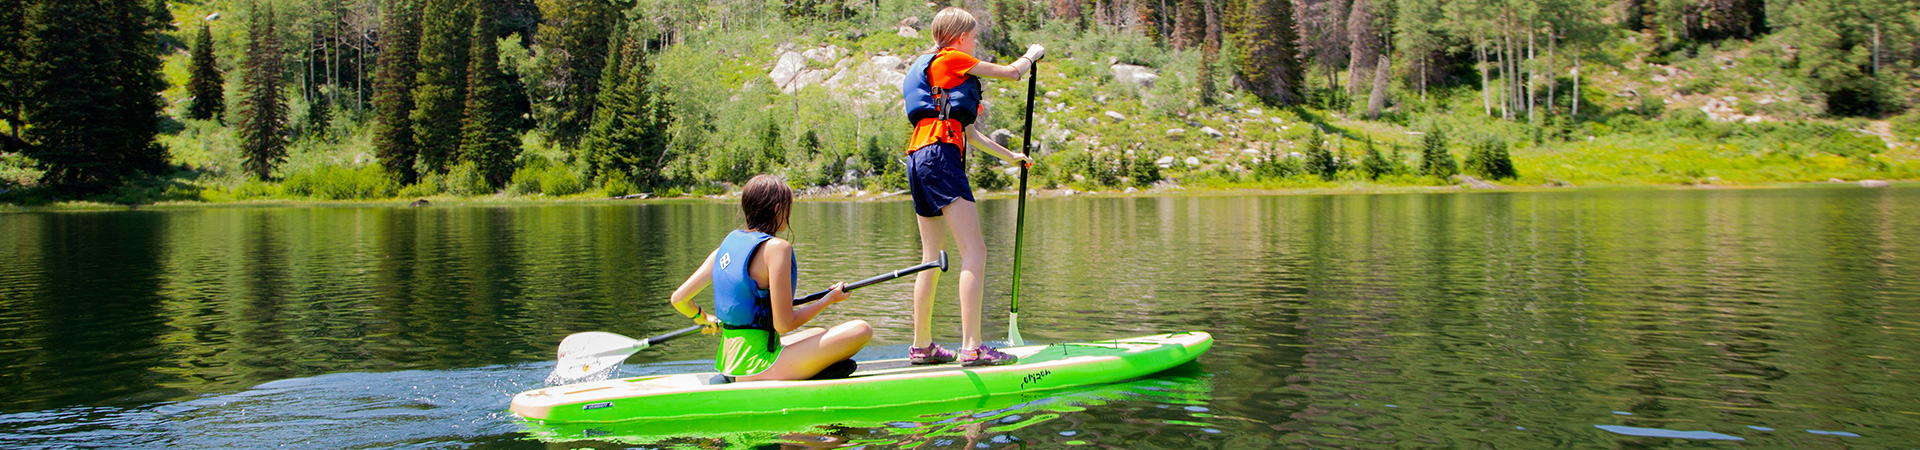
56 350
1468 312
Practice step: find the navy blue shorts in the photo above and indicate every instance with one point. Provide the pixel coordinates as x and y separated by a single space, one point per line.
937 176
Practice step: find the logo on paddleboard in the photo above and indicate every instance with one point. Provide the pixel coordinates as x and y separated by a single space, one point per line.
725 258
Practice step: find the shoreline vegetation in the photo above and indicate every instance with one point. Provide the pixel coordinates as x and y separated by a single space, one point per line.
324 102
858 196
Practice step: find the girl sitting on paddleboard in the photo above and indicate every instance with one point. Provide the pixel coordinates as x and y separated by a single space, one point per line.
753 275
942 94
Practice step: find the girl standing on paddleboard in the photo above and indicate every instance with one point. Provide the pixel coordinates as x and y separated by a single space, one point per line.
753 274
942 95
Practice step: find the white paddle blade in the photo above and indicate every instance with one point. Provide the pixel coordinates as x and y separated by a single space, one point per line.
1013 330
584 355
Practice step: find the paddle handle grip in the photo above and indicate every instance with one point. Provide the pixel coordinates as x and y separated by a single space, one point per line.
938 263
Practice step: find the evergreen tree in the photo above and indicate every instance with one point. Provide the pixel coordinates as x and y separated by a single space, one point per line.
263 111
1320 159
1363 45
1269 61
1322 28
629 133
137 70
488 135
209 96
393 89
570 54
89 73
1190 25
1842 47
13 61
1209 51
442 89
1435 160
1417 38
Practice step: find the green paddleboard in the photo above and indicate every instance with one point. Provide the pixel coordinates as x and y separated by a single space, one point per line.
878 384
1183 385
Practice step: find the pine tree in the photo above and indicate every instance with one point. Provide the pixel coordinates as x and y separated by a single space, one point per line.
1269 60
137 70
1836 42
629 133
13 61
1416 38
487 137
1363 45
1435 160
1191 27
89 73
1322 28
393 89
204 83
570 55
1209 52
442 90
1320 159
263 111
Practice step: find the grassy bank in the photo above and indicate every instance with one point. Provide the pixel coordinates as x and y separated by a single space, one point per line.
1646 118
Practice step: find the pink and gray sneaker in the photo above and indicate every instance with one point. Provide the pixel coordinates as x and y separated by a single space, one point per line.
985 356
931 354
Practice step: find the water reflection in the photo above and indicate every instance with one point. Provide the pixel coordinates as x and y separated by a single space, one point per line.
1517 319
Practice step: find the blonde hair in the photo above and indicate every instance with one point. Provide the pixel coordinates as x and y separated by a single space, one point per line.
949 25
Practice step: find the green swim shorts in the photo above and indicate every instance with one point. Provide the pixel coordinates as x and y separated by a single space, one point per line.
746 352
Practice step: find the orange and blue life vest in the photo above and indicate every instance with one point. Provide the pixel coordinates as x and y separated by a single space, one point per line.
941 98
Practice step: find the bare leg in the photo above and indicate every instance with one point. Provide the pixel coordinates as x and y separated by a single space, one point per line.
933 235
963 217
809 351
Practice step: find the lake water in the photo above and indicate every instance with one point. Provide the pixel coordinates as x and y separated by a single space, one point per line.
1785 318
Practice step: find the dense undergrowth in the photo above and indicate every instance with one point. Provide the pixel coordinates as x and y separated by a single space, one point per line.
732 122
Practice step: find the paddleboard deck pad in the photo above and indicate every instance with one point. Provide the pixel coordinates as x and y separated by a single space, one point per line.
876 384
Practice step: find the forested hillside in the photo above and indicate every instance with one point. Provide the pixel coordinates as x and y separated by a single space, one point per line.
376 99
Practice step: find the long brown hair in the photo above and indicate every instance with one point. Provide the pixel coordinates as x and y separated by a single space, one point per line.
766 202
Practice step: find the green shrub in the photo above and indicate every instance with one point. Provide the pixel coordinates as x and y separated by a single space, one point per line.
1435 160
466 179
1273 167
1143 171
428 186
537 175
1652 107
341 183
617 183
1490 158
986 173
1852 144
253 189
1320 159
1374 164
1907 125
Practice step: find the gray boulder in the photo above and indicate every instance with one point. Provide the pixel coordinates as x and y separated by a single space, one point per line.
787 68
1002 137
1138 75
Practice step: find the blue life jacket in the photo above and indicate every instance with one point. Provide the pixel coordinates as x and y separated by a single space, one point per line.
738 301
923 99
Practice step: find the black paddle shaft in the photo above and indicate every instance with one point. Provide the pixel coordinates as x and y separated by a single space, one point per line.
939 263
1020 217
